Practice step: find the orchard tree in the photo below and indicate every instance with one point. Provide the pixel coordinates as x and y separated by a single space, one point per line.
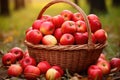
76 2
19 4
116 3
4 7
97 6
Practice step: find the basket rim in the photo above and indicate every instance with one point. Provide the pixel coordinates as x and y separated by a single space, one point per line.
64 47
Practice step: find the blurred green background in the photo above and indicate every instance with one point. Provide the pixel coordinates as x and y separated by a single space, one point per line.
14 23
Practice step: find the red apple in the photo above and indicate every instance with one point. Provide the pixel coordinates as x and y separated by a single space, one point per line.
67 15
80 38
67 39
27 61
115 63
30 28
104 65
18 52
8 59
47 28
52 74
101 57
101 36
77 16
93 17
94 40
43 66
14 70
58 21
49 40
26 54
58 33
36 24
46 18
34 36
68 27
81 26
31 72
94 73
95 23
59 69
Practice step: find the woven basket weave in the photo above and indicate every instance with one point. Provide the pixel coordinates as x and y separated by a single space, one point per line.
75 58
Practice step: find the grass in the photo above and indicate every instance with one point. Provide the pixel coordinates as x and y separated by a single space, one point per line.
12 28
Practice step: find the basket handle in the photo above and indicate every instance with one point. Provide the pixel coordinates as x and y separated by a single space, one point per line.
90 43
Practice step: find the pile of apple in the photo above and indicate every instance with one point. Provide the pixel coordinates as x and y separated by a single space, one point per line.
20 63
103 67
67 28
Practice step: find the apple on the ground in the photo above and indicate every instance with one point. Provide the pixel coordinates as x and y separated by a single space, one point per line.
8 59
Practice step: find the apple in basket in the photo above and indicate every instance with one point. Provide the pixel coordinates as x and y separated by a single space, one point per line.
47 27
81 26
115 63
67 39
14 70
58 33
46 18
8 59
104 65
36 24
53 74
94 21
34 36
27 61
101 36
49 40
94 73
58 21
43 66
80 38
31 72
77 16
94 40
68 27
67 15
18 52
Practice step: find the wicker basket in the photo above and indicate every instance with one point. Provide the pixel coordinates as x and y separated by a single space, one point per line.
75 58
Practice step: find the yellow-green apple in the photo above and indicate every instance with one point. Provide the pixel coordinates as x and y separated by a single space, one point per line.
8 59
77 16
80 38
67 15
18 52
52 74
95 23
68 27
58 33
34 36
49 40
104 65
67 39
47 27
46 18
94 40
36 24
94 73
115 63
27 61
81 26
101 36
43 66
31 72
59 69
58 21
14 70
